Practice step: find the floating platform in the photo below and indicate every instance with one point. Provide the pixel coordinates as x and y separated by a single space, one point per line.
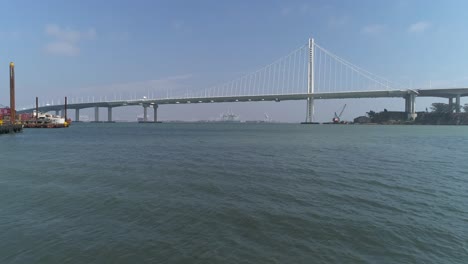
7 129
310 123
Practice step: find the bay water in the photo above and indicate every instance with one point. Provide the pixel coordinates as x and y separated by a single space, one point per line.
234 193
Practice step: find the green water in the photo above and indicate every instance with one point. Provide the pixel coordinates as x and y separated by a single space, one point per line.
234 193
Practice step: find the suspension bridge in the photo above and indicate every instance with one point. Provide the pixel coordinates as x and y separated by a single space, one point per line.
308 73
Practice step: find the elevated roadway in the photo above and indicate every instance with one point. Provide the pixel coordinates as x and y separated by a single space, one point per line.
408 94
154 103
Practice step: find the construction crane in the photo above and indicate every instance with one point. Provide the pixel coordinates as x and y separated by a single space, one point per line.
337 118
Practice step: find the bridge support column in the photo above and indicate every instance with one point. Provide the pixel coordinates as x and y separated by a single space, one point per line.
450 104
96 114
310 110
407 104
77 115
109 114
155 109
457 104
410 106
413 114
57 112
145 113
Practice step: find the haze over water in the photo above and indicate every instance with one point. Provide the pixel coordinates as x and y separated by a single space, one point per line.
234 193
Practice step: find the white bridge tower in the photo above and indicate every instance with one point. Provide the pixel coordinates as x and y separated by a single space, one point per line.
310 83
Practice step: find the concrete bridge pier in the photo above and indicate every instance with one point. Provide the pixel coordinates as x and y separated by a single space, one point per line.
457 104
57 112
96 114
77 115
155 108
310 110
450 104
145 113
407 104
410 106
109 114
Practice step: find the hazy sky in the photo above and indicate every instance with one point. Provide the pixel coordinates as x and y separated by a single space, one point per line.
101 48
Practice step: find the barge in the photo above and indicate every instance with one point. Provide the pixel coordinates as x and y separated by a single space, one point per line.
45 120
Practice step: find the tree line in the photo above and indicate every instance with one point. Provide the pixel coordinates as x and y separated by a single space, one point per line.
447 108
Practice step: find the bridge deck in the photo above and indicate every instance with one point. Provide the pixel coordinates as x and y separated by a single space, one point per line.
240 98
446 93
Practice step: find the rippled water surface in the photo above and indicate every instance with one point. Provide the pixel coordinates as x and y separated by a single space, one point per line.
234 193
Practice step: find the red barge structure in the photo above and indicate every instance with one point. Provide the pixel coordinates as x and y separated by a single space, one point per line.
11 122
8 120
